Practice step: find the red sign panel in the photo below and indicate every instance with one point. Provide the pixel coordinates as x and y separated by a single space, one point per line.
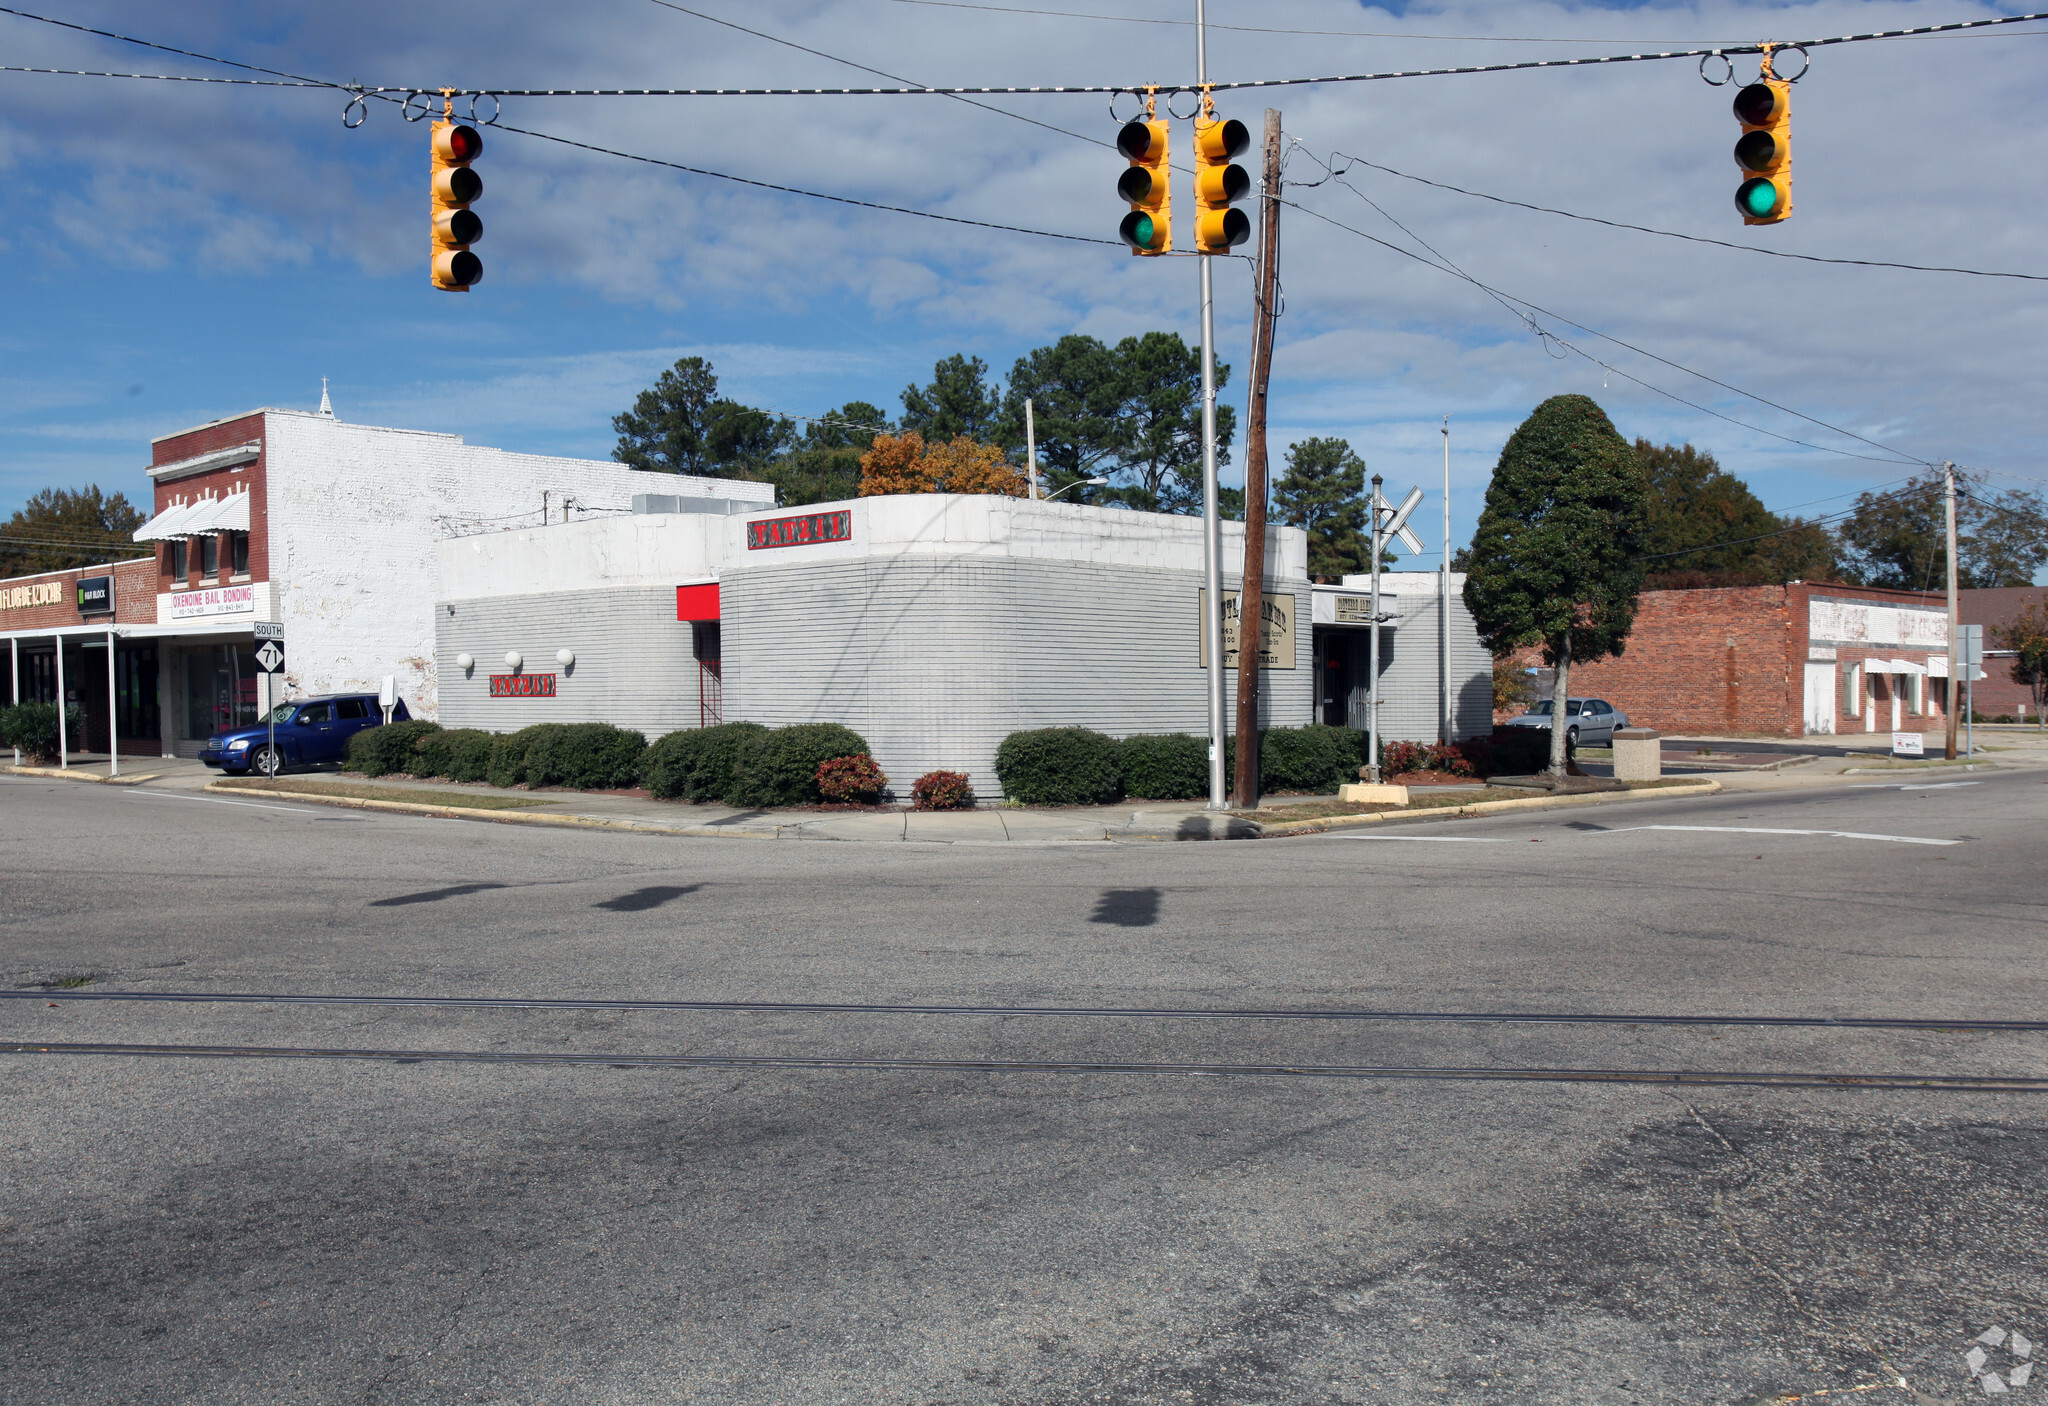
697 602
804 531
522 685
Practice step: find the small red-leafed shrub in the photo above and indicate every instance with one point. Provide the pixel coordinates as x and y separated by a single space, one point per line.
854 778
1455 758
1399 757
942 790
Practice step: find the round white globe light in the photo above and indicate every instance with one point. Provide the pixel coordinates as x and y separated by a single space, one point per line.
512 660
465 662
565 657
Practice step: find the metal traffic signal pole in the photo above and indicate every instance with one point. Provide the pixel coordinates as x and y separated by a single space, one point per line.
1212 526
1955 630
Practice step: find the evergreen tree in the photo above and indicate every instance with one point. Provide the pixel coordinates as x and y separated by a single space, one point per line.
1556 559
958 401
1705 527
824 467
1323 494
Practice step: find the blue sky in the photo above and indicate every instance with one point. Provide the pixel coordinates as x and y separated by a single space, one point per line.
172 253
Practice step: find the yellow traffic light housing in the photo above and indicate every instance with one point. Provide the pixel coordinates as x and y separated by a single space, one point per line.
1147 186
455 186
1764 151
1219 181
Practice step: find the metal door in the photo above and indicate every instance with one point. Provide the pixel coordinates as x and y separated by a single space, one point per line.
1820 698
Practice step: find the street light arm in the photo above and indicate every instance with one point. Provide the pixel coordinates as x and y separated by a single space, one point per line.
1077 483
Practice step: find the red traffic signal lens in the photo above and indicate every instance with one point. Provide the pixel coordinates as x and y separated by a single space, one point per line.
460 143
1759 105
1135 140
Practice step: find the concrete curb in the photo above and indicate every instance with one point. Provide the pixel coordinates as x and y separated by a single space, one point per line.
64 774
1477 808
500 817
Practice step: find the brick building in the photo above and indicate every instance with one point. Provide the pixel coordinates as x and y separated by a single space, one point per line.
1998 694
59 628
1805 658
300 519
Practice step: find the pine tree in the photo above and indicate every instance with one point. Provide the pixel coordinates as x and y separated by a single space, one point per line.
1323 494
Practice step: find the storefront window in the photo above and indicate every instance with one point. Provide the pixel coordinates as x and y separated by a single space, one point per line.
178 560
220 690
135 709
209 556
239 542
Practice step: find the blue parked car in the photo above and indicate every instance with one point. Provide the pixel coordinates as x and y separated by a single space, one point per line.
310 732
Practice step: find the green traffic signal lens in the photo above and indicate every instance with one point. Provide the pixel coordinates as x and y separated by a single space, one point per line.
1139 231
1758 199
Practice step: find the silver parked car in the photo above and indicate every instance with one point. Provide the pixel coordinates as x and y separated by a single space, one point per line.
1588 721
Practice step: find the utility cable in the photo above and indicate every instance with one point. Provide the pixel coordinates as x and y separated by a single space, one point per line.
1718 51
795 190
892 77
1674 234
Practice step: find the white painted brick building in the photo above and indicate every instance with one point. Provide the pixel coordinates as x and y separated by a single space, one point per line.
330 529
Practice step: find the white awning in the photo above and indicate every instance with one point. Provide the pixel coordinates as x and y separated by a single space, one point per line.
1897 666
200 518
1937 668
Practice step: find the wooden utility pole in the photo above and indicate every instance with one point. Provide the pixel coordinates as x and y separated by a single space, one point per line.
1251 597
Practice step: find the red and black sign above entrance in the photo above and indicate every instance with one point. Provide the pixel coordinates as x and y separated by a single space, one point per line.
522 685
804 531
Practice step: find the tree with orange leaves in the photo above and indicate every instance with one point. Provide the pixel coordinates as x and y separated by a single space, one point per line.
903 464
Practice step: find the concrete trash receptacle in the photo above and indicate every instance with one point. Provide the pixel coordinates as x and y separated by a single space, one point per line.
1638 754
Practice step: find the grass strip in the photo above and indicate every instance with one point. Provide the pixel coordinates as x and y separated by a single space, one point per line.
466 800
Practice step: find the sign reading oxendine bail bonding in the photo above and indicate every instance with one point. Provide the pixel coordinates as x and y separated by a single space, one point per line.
1276 630
213 600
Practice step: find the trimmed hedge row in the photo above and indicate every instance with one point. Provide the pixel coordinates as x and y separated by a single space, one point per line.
743 764
1074 766
33 728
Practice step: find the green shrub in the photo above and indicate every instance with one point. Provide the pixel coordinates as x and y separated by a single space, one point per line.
1316 759
779 767
507 764
1167 766
379 751
942 790
459 753
33 728
1059 766
854 778
696 763
585 756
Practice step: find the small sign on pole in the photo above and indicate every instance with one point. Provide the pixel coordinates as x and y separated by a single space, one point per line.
387 696
270 658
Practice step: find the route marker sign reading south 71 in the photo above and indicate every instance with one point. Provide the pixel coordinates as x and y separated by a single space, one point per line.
271 657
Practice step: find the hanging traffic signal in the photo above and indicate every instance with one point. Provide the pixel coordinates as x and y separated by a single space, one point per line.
1764 151
1147 186
1218 182
456 226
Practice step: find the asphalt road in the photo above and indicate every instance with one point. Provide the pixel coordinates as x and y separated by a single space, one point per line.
179 1230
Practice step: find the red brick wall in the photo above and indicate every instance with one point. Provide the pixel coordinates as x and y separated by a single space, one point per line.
1713 661
1997 692
220 482
134 597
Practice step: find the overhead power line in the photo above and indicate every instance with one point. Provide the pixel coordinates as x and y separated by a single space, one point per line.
797 190
1263 29
1674 234
1717 51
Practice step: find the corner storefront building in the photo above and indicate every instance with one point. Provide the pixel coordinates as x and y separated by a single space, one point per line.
294 518
932 624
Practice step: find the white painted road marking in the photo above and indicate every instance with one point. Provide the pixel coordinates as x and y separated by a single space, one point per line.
1922 786
1430 839
1748 830
215 800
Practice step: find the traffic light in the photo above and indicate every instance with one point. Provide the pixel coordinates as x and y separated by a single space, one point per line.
456 226
1764 151
1148 186
1219 181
